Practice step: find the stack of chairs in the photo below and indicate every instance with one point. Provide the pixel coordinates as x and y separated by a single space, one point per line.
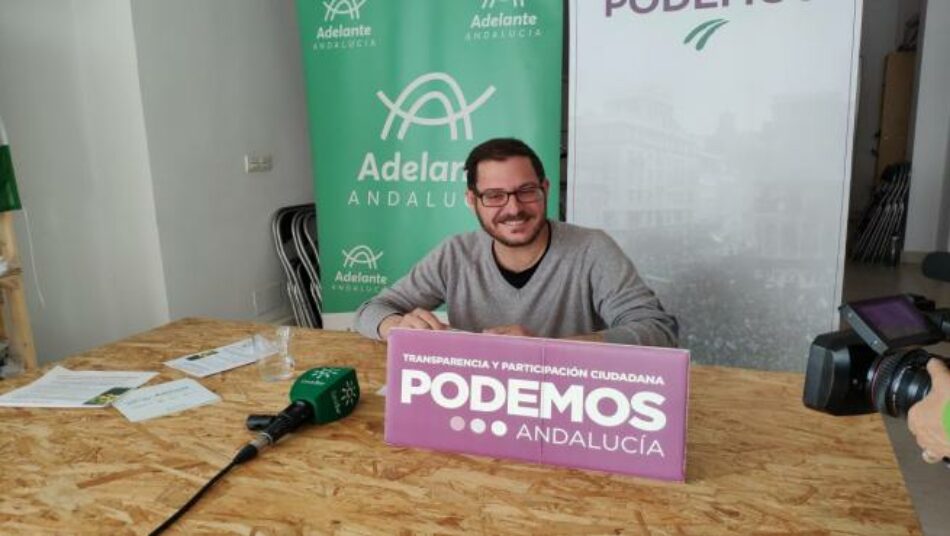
880 234
295 229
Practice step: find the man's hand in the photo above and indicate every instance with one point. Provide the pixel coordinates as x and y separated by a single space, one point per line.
925 419
588 337
415 319
510 329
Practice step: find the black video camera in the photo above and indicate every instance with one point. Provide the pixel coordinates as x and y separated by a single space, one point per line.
879 364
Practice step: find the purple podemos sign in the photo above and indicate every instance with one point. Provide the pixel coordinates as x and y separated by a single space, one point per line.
596 406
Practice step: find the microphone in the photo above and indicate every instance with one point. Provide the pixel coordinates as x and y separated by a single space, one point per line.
319 396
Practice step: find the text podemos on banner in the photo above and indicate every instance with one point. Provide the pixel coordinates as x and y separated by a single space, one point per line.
599 406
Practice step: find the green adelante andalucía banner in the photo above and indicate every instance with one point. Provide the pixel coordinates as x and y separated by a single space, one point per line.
398 93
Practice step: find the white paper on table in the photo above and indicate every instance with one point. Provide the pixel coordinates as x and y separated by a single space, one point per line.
64 388
217 360
164 399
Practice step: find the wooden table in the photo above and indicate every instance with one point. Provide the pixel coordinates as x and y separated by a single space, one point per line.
758 463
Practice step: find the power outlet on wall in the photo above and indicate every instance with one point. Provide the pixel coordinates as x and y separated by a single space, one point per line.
254 163
267 299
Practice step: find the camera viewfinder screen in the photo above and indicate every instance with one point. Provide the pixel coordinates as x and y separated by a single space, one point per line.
892 318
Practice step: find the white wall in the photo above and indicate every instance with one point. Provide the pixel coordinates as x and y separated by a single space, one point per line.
221 78
69 97
128 122
927 224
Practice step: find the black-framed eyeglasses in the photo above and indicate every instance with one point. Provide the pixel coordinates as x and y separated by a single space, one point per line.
499 198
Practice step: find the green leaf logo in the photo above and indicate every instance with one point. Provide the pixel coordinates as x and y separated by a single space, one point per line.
706 29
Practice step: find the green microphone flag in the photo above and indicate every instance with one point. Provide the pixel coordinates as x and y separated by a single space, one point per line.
9 196
332 392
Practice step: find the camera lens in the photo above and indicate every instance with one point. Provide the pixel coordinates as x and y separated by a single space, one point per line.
898 381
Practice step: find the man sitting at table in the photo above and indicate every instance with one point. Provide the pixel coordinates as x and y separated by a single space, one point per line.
522 274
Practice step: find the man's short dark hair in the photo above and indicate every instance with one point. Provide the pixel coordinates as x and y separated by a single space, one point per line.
500 149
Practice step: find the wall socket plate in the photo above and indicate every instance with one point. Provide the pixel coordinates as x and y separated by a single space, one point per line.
258 163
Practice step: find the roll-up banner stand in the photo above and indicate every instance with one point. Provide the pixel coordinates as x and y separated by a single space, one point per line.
713 141
398 94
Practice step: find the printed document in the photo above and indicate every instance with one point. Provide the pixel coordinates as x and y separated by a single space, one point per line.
164 399
64 388
218 360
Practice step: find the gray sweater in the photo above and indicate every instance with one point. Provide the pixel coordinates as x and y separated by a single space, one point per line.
583 284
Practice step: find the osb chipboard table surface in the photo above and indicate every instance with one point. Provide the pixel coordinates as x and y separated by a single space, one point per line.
757 463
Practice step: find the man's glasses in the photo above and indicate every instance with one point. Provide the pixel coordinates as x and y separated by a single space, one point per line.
499 198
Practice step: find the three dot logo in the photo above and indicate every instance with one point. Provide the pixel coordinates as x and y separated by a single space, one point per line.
436 87
349 8
361 255
478 426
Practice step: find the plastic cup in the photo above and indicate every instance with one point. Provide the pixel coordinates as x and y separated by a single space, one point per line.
275 363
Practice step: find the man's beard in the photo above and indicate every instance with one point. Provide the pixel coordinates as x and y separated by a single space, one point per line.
504 241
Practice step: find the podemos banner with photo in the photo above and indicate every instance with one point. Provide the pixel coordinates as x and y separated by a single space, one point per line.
398 94
712 140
